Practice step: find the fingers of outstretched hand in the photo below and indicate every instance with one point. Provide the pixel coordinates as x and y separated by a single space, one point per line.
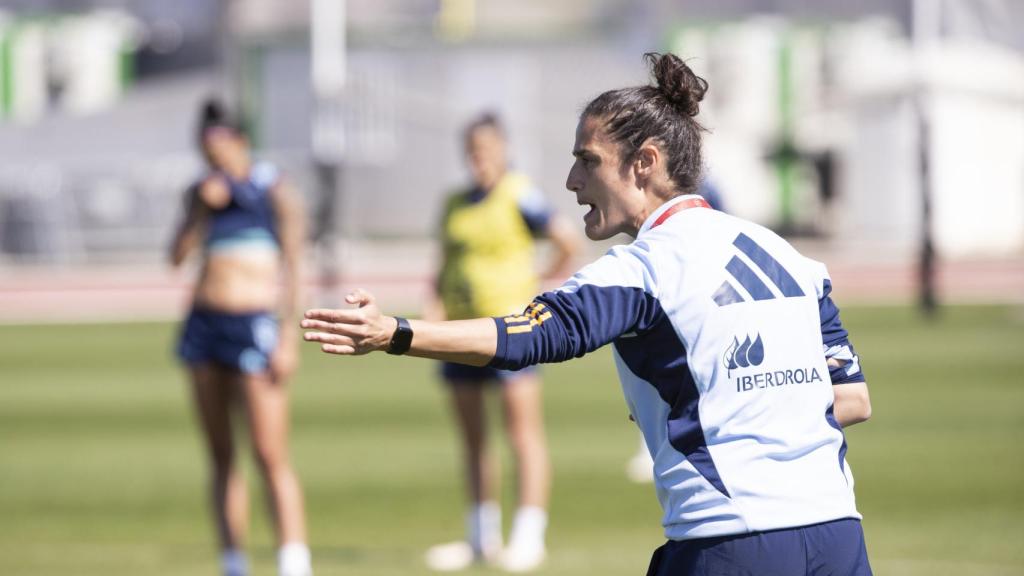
344 331
338 349
332 343
350 316
344 328
328 338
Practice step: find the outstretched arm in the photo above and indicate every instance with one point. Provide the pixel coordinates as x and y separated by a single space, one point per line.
365 329
598 304
556 326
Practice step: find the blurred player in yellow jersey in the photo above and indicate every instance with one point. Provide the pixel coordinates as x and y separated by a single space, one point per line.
487 234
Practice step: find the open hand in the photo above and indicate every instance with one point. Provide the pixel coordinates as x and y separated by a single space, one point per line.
350 332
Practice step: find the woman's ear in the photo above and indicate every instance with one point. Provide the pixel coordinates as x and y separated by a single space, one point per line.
648 157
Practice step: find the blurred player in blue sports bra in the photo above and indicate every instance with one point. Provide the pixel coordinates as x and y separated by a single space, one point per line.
248 225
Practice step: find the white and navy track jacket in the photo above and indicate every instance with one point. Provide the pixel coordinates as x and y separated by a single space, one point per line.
721 331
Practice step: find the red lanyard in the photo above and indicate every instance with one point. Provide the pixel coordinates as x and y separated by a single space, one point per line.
697 202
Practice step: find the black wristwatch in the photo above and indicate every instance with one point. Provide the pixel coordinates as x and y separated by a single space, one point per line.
401 339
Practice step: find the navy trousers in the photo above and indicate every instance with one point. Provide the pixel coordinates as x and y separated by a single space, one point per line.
829 549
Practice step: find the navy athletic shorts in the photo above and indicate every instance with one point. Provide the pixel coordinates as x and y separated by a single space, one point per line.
240 341
478 375
833 548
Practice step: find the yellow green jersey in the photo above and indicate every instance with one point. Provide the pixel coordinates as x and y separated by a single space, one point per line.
487 242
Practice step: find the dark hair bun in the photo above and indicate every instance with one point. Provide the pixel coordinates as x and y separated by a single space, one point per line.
677 82
214 115
213 112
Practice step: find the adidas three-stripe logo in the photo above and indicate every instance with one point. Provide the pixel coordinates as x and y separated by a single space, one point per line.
749 280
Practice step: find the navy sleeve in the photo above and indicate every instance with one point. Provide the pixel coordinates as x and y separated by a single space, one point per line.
836 341
561 325
534 209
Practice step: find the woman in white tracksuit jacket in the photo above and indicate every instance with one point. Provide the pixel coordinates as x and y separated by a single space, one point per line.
731 354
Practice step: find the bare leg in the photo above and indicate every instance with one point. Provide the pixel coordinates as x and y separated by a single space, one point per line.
213 390
524 420
483 517
267 408
468 404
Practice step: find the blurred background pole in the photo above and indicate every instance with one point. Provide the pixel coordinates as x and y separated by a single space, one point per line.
226 60
926 23
327 47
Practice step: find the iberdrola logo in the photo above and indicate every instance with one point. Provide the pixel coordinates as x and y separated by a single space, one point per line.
744 354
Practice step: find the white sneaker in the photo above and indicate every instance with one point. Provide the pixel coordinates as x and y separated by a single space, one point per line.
522 558
454 556
293 559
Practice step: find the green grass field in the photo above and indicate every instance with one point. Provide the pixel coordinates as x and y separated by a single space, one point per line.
101 469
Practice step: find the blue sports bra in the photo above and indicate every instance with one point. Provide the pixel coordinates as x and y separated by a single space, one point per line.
248 219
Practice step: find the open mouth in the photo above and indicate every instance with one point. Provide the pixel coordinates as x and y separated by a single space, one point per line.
592 208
